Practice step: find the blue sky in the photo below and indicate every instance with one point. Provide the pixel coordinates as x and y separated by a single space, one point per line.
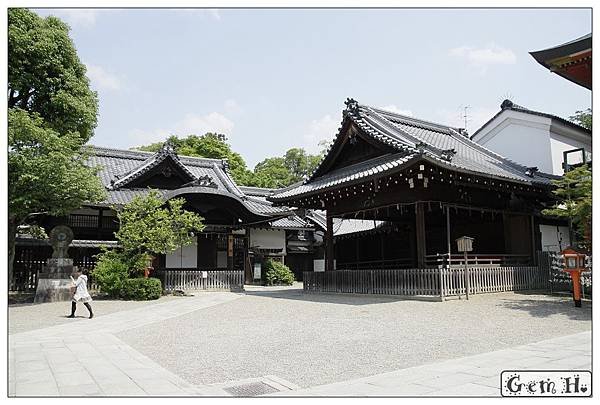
275 79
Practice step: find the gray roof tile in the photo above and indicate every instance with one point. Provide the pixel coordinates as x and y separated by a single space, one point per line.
414 139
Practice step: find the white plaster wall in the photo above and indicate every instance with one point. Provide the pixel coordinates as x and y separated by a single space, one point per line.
524 144
183 258
554 238
268 239
560 144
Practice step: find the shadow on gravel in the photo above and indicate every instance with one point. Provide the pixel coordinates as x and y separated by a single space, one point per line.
332 298
543 308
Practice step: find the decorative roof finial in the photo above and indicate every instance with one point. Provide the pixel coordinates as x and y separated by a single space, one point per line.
351 104
448 154
531 171
506 104
167 147
421 147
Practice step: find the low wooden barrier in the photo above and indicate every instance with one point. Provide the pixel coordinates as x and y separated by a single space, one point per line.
196 279
428 282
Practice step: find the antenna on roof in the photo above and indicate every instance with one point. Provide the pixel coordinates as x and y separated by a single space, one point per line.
465 116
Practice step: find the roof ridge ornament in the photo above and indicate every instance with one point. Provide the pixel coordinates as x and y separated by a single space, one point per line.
531 171
351 105
448 154
421 147
167 148
202 181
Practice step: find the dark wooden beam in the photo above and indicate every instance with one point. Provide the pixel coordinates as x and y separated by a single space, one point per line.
448 233
329 243
420 234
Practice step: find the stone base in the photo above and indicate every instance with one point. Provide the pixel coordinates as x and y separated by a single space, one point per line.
52 290
54 281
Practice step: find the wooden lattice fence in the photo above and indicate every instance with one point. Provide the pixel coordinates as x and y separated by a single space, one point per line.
427 282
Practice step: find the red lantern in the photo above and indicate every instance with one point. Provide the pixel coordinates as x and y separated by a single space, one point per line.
574 264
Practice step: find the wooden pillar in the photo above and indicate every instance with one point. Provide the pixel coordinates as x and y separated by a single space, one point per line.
533 244
230 243
420 234
329 243
448 237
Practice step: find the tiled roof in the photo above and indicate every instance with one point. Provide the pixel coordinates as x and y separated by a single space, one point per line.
349 226
291 222
166 152
119 167
413 139
343 226
257 191
508 105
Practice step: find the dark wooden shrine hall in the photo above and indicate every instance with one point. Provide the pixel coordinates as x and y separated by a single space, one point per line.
430 184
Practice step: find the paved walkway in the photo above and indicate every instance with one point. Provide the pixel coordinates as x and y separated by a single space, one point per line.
85 358
467 376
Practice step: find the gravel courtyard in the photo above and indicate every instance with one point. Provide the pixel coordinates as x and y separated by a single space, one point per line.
318 339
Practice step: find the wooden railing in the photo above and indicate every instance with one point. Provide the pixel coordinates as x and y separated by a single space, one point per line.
91 221
377 264
25 275
430 282
480 259
388 282
492 279
198 279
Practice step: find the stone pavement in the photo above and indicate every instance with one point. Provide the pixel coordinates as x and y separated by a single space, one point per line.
477 375
85 358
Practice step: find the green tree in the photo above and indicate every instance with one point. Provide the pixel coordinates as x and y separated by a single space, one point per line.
209 145
148 226
45 75
52 113
583 118
300 164
574 192
272 173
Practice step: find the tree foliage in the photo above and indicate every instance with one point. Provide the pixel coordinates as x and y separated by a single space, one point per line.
45 75
46 170
52 113
583 118
148 227
210 145
574 192
273 172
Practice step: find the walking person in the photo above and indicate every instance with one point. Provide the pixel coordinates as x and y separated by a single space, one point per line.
81 293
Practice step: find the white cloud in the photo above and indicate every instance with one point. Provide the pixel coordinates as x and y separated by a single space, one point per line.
486 56
322 129
196 124
101 79
476 117
190 124
393 108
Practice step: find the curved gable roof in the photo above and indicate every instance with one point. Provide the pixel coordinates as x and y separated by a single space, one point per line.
412 139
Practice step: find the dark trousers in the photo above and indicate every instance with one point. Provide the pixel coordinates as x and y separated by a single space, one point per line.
74 307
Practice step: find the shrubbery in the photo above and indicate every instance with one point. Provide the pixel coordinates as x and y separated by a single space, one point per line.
277 273
114 269
141 289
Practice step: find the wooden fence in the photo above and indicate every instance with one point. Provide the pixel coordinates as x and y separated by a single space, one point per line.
196 279
427 282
